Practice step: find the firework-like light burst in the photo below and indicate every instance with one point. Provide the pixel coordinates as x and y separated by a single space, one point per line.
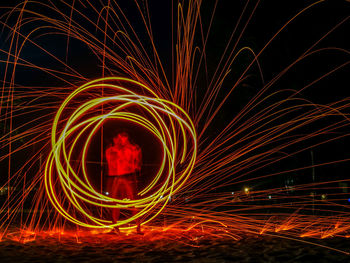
71 68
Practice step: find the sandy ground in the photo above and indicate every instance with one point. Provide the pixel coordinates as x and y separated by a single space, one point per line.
153 247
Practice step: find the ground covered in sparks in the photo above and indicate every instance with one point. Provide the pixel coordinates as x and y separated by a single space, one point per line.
172 246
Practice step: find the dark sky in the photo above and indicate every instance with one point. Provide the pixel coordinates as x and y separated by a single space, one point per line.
267 20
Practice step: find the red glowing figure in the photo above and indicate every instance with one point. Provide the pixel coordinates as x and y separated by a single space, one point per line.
124 161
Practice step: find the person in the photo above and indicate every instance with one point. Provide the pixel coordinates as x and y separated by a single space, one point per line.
124 162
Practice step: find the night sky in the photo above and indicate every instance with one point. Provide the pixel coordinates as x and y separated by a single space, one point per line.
267 20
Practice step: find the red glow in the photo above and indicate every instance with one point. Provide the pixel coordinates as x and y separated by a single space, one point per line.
124 160
123 157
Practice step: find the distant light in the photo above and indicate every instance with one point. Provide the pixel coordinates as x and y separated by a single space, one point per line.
349 200
233 193
107 193
246 190
270 196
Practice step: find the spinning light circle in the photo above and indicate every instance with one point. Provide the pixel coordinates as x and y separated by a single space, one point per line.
81 115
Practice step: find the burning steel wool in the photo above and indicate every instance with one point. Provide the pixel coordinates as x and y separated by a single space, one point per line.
188 119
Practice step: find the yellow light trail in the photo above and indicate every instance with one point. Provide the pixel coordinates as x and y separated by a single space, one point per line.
169 123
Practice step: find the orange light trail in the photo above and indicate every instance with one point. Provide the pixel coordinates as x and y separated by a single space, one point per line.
80 189
226 159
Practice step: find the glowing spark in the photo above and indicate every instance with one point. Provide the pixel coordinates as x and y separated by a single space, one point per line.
165 120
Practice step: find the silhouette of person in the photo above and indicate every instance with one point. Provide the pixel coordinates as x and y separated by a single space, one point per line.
124 161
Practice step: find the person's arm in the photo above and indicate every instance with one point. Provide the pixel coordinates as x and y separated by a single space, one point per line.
138 159
108 154
108 159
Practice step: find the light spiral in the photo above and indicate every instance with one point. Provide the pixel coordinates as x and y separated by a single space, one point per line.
78 119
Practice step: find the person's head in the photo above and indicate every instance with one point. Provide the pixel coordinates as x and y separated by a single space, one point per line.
122 139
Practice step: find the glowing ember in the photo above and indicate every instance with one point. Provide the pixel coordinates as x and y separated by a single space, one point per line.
70 189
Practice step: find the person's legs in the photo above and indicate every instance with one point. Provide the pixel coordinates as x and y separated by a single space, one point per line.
134 211
124 187
115 212
132 192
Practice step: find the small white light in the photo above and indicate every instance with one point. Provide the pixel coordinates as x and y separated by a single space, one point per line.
107 193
